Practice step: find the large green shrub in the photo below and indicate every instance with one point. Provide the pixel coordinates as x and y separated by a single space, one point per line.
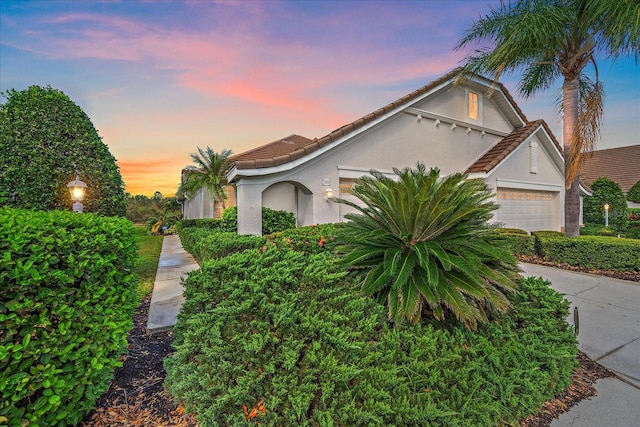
288 329
67 295
45 138
426 246
633 195
606 191
608 253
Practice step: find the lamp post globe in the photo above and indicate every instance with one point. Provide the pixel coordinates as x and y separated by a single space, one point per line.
77 189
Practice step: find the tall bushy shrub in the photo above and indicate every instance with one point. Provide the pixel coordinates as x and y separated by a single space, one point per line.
606 191
633 195
426 246
67 295
286 332
45 138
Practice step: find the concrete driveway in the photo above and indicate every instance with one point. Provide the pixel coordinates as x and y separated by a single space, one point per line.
609 311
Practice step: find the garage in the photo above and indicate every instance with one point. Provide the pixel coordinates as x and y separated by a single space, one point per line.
529 210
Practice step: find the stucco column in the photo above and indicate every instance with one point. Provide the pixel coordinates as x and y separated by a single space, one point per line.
249 202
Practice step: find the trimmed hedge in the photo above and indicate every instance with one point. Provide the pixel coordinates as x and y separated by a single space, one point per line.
272 221
67 296
288 329
596 230
608 253
521 244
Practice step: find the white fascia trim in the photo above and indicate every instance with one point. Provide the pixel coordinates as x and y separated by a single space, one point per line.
444 119
524 185
354 172
584 192
548 143
234 173
473 175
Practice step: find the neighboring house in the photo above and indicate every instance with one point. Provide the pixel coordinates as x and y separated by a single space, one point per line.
474 127
621 165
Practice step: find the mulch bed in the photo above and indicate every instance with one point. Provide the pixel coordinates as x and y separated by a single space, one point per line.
633 276
136 397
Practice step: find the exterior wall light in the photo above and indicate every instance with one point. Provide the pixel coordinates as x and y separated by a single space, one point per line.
606 214
77 189
328 194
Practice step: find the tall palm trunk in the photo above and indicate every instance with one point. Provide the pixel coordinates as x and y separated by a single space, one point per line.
570 99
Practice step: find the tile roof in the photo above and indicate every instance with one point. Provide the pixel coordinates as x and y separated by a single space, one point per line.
277 153
502 149
621 165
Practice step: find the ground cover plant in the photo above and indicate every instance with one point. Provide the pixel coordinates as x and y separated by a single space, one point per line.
283 338
67 295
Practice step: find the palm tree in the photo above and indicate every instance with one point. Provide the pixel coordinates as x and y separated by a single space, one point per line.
426 247
549 39
208 173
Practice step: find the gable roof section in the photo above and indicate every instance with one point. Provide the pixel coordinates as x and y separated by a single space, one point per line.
507 145
621 165
275 154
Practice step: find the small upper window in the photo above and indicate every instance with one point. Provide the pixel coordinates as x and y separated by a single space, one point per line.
473 106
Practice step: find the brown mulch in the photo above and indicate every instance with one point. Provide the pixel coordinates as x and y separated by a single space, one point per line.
633 276
136 397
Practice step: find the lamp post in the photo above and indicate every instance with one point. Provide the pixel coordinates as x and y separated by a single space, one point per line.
77 189
606 214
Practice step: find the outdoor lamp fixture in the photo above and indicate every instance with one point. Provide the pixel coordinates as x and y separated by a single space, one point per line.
77 189
606 214
328 194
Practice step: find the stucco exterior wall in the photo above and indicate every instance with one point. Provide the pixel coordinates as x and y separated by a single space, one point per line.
400 140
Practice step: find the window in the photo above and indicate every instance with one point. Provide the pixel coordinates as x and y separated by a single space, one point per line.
474 108
346 185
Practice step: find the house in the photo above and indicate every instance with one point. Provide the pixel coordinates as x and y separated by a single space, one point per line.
474 127
621 165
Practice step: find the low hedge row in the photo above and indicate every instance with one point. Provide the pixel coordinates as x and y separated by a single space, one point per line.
67 296
272 221
607 253
282 338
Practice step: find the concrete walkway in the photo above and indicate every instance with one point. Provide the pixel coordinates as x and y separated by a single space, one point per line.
609 313
166 299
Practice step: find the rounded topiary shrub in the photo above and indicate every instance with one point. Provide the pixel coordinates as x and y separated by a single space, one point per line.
282 338
606 192
634 193
45 139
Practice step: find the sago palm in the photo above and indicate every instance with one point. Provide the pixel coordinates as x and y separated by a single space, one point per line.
208 173
550 39
426 246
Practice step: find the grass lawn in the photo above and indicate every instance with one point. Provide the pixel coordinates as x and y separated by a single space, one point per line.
148 254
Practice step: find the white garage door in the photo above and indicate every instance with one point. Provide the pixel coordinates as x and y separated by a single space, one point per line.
526 209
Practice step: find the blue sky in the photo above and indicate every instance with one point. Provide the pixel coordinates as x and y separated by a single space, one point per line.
159 79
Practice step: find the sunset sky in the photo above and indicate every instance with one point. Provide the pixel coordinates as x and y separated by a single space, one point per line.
159 79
